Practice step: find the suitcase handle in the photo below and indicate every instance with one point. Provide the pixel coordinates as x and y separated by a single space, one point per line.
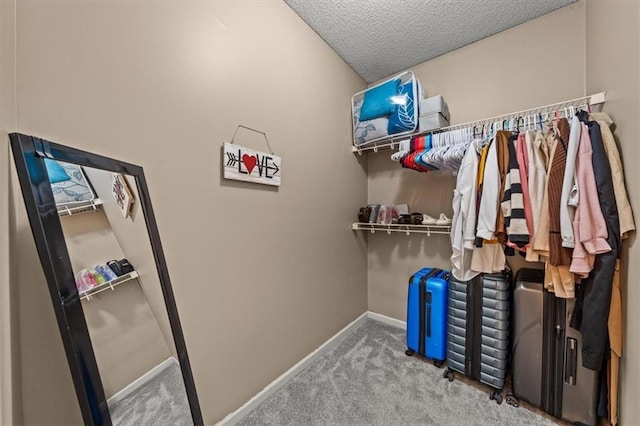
571 366
427 320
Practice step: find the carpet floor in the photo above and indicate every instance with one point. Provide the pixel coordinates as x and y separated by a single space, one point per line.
368 380
162 401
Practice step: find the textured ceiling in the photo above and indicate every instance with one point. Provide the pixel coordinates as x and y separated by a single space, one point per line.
379 38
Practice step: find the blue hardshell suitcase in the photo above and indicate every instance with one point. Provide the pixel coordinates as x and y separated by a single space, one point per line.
427 314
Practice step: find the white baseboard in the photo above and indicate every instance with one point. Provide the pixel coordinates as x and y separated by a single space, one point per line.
279 382
273 387
387 320
136 384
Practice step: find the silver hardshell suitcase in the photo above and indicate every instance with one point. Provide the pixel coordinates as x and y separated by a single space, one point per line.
547 354
478 329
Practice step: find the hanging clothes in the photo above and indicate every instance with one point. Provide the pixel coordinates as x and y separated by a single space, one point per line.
521 190
558 255
569 194
594 297
522 158
546 152
614 326
627 225
502 153
463 225
538 156
512 204
488 255
558 278
490 187
590 229
617 173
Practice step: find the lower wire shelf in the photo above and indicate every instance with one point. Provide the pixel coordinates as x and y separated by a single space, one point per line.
406 228
110 285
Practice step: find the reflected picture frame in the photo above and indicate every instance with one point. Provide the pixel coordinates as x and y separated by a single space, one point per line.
121 194
29 153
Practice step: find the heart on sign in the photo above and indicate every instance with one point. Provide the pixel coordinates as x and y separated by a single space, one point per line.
249 161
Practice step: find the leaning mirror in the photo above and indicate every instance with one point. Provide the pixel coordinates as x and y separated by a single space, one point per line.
99 246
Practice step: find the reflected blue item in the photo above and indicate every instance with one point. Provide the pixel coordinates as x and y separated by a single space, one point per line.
55 171
427 313
76 189
378 100
106 272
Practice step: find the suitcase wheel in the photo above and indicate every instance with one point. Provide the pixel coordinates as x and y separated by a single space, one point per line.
448 374
512 400
438 363
409 352
497 396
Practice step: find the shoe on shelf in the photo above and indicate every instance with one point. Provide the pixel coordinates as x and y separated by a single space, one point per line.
416 218
443 220
428 220
404 219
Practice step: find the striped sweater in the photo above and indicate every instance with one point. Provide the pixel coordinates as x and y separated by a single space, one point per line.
513 201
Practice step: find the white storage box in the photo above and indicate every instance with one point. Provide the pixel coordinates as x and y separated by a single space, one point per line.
434 113
432 122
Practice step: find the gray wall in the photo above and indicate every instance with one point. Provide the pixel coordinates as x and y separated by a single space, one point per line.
261 277
613 64
10 401
476 82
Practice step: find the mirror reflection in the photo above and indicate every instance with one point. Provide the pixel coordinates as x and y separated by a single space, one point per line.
121 296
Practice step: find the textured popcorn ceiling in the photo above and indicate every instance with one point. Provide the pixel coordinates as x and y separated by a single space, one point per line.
379 38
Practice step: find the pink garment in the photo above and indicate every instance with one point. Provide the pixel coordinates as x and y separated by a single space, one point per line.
589 227
523 165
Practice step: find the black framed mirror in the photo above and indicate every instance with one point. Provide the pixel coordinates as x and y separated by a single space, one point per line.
99 246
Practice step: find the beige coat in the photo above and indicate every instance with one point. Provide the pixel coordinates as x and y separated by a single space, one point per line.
541 239
617 173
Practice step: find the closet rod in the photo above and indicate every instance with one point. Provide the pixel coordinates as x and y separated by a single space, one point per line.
595 99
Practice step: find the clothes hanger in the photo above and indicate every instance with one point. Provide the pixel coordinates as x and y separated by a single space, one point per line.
551 120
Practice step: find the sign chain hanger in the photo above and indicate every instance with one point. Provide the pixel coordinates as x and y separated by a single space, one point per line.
240 126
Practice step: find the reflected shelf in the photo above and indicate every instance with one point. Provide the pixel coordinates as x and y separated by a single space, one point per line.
81 207
406 228
86 295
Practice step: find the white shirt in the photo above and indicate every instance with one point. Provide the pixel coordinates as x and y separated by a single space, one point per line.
488 212
464 215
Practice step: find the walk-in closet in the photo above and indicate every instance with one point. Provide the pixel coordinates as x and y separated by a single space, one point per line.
298 212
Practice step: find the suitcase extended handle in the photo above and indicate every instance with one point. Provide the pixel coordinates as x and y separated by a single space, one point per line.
571 366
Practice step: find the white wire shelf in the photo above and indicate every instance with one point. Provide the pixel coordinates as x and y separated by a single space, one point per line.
81 207
110 285
407 229
393 142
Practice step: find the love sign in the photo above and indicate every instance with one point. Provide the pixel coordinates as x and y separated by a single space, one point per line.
240 163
